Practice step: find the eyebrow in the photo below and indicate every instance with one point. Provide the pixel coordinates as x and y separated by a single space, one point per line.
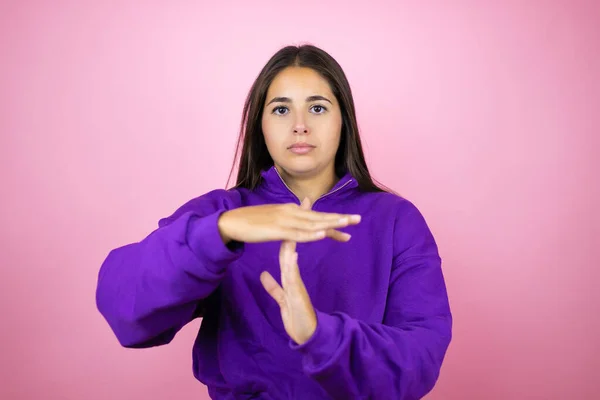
308 99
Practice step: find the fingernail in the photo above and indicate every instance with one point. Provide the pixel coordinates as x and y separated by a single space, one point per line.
355 218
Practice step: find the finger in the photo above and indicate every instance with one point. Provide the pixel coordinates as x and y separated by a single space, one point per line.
309 225
295 283
306 204
338 235
293 277
288 246
291 246
284 262
273 288
285 250
322 216
302 236
312 215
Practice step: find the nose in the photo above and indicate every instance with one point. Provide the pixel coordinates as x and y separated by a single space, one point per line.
300 130
300 127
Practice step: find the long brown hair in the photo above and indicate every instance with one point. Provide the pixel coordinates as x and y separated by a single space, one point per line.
254 154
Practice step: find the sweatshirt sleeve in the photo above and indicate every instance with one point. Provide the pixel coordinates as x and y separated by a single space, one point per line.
401 357
147 291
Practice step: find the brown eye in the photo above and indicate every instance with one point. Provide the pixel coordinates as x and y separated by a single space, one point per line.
281 110
318 109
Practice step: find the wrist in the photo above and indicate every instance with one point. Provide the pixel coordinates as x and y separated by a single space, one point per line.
222 225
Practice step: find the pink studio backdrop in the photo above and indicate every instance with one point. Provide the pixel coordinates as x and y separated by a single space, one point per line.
485 114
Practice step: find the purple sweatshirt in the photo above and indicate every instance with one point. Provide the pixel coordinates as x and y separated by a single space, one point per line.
383 317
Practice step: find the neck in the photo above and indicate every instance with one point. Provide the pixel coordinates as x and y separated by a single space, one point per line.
313 186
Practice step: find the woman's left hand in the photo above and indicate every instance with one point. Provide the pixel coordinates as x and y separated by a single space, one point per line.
297 312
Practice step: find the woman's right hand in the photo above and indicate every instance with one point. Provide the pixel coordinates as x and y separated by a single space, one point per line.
273 222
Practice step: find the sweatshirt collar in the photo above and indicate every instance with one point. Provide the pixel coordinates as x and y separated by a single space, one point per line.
274 183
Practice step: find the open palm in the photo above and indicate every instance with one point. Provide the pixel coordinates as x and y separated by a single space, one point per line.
297 312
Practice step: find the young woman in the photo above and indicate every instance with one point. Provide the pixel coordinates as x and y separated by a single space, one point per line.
312 281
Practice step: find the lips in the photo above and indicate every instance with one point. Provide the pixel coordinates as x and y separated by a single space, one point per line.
301 146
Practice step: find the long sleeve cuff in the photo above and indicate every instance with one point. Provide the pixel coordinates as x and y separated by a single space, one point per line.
205 241
320 349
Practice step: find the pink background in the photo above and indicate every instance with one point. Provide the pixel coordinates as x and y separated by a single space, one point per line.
486 115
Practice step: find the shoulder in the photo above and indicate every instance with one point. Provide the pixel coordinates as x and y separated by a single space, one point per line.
208 203
399 208
411 232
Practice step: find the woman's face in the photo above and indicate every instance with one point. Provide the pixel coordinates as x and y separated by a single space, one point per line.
301 122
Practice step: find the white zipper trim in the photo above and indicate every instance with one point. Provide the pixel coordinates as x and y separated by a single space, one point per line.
325 195
285 184
332 192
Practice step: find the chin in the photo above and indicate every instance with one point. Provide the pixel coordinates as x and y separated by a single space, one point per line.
300 168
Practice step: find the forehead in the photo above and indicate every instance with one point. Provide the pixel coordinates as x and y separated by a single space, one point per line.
298 81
